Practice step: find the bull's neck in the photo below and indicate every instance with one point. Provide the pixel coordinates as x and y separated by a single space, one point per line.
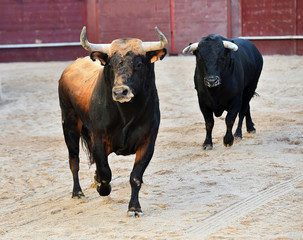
140 106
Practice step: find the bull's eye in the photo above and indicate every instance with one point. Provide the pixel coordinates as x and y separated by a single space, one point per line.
138 65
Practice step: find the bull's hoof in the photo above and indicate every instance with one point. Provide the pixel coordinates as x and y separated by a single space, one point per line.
135 213
228 144
251 129
228 140
104 189
78 194
207 146
238 137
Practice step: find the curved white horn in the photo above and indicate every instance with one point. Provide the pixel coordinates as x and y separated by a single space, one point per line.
190 48
152 46
230 45
90 46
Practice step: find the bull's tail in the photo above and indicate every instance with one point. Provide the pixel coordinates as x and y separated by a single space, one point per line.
87 144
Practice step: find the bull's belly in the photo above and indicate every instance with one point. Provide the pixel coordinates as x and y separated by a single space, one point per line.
218 112
124 144
217 108
124 151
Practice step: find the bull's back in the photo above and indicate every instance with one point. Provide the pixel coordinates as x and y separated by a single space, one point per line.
77 84
250 60
249 54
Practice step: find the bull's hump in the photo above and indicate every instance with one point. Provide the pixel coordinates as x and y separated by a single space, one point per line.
125 45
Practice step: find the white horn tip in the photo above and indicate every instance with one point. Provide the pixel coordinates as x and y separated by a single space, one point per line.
186 50
235 48
83 32
190 48
162 37
83 39
230 45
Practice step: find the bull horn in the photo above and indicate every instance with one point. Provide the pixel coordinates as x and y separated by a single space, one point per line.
230 45
190 48
152 46
90 46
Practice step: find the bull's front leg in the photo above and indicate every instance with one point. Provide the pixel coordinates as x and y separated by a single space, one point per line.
103 173
143 157
228 139
209 124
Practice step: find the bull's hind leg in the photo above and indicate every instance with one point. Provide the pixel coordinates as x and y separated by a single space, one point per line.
245 112
242 113
71 129
249 123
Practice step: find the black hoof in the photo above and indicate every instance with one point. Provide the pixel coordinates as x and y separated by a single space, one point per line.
228 143
104 189
251 129
79 195
207 146
135 213
228 140
238 137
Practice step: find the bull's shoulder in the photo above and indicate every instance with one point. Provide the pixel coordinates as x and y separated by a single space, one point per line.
83 66
78 82
82 72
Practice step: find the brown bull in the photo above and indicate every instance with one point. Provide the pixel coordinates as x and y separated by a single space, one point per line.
112 103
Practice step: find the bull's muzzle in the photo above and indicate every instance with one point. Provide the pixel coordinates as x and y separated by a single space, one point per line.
212 81
122 94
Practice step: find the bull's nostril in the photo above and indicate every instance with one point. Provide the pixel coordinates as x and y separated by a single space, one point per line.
125 92
122 94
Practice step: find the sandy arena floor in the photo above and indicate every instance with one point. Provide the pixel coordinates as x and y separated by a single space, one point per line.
253 190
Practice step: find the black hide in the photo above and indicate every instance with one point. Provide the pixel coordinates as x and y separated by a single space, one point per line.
226 81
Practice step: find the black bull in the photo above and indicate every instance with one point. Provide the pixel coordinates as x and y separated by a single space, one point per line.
114 108
226 77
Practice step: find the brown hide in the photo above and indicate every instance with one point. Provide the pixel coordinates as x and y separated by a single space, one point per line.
124 45
78 82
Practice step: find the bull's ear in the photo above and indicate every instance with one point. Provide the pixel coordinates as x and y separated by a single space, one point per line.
156 55
102 57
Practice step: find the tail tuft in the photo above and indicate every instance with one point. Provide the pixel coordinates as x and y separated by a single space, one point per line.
87 144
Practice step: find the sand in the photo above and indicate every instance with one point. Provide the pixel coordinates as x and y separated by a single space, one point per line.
252 190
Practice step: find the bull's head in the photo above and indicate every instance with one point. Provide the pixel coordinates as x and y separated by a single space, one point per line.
128 61
213 57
